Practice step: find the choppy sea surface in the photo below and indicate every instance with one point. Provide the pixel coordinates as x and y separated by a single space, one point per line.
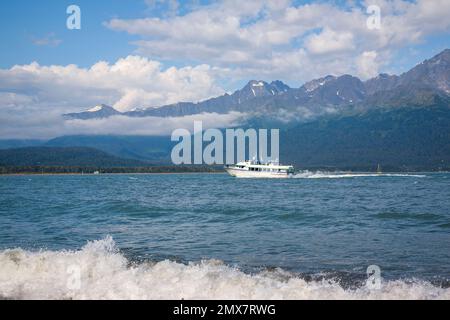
212 236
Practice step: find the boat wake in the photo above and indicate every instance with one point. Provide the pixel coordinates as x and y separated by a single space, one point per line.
336 175
100 271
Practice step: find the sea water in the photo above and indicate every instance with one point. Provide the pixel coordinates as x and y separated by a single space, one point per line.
211 236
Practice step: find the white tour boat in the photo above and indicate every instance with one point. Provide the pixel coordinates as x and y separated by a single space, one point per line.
256 169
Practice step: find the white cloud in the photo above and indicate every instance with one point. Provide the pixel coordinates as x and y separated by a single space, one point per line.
171 6
253 39
234 39
33 97
329 41
14 101
50 125
367 64
123 125
48 40
128 83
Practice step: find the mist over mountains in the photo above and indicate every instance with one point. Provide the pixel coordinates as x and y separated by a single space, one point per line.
334 122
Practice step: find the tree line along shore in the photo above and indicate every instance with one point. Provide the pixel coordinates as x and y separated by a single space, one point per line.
11 170
98 170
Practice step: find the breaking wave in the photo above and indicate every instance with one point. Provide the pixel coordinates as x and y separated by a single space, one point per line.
100 271
335 175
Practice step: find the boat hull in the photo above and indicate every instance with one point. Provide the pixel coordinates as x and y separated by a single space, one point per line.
239 173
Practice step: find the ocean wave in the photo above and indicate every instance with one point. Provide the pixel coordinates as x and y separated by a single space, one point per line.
100 271
336 175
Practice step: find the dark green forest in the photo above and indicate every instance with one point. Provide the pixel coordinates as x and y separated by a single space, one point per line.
399 139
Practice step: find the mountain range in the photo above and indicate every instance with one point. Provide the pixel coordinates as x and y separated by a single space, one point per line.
420 85
334 122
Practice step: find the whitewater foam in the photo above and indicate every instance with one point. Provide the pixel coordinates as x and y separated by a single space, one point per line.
336 175
100 271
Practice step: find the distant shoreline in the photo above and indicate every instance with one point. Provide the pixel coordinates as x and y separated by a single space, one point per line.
188 169
105 173
91 170
206 172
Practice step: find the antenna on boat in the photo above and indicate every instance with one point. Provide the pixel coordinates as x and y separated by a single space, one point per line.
379 169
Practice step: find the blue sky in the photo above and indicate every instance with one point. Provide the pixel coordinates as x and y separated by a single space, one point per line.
26 22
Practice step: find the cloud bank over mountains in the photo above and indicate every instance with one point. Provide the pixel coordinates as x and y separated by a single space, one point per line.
127 83
201 52
34 97
47 126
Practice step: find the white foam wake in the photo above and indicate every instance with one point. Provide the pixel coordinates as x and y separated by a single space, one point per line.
336 175
99 271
